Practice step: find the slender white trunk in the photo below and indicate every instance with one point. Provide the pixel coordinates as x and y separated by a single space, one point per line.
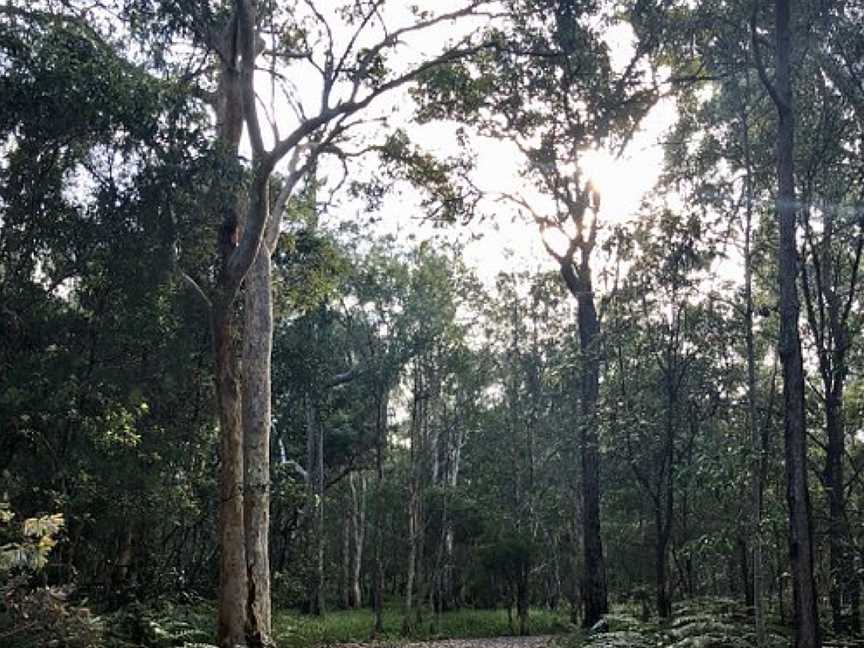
358 523
257 345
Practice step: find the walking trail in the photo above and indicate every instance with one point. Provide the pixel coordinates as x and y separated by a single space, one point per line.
539 641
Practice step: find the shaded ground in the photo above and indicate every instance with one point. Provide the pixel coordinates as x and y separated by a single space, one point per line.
453 629
538 641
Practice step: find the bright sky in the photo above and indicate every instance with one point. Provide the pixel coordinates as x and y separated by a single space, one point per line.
508 242
513 243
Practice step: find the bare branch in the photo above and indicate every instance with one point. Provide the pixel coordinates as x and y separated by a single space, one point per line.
247 41
196 287
755 41
353 40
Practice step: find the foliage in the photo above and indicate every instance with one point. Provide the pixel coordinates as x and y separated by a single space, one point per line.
160 625
27 548
353 626
37 613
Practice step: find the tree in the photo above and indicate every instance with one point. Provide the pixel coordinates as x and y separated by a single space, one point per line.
352 76
101 384
830 277
550 88
663 335
795 428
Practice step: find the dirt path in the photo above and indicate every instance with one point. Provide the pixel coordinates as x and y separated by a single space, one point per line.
538 641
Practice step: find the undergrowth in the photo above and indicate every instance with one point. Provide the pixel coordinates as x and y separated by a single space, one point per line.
355 626
703 623
167 626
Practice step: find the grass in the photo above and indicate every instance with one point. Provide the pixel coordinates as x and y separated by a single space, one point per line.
703 623
292 630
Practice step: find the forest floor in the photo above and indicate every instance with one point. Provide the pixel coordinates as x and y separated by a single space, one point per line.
703 623
534 641
353 628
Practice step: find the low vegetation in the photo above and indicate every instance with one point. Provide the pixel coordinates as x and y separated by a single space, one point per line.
292 630
702 623
705 623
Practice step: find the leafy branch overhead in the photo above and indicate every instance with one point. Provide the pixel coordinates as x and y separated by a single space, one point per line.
449 194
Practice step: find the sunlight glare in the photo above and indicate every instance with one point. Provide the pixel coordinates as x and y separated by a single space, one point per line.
599 167
556 240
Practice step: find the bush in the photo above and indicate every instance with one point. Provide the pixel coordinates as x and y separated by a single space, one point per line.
42 616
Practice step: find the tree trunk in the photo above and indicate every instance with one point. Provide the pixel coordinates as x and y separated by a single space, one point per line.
744 566
665 501
378 601
123 565
661 556
845 588
381 444
522 603
415 525
257 351
594 595
756 594
319 519
358 524
806 619
232 542
412 559
346 557
232 596
315 504
447 594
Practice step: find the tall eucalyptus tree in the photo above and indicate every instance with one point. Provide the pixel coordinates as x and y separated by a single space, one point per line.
346 51
550 87
795 422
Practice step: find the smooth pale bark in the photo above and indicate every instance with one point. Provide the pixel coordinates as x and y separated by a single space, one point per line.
806 620
415 525
256 409
358 526
257 348
454 443
241 233
346 559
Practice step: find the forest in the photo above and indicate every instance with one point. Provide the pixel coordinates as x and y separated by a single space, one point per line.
347 321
